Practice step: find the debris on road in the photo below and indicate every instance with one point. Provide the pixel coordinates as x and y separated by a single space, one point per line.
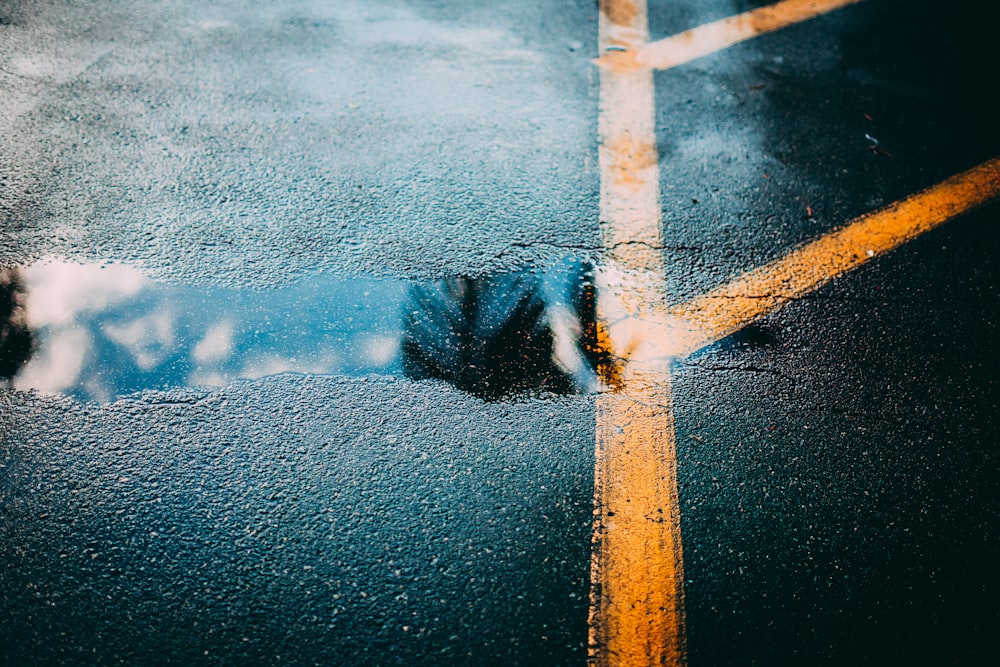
873 145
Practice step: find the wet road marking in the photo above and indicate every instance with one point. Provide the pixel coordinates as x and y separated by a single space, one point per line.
732 306
636 604
649 332
711 37
637 612
637 599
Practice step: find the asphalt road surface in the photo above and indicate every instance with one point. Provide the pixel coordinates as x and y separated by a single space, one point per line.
310 349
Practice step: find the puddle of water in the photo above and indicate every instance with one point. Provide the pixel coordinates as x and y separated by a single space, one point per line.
99 332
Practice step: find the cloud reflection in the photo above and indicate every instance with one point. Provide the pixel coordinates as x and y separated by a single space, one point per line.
61 291
216 346
108 331
57 368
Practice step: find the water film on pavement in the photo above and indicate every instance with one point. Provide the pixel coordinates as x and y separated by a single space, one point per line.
99 332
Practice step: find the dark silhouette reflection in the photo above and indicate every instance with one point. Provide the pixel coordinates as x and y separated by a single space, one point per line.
17 343
508 334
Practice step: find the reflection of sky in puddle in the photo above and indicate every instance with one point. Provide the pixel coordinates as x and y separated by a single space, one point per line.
106 331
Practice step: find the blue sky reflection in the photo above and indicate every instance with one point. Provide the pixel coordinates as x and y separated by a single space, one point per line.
99 332
107 331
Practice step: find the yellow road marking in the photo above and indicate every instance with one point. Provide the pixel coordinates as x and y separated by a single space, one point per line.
730 307
637 613
637 597
636 606
637 602
711 37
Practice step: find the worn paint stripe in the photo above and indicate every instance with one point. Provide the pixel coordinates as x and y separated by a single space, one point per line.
732 306
636 606
711 37
637 614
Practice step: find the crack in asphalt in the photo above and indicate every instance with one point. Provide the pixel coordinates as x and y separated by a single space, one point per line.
736 368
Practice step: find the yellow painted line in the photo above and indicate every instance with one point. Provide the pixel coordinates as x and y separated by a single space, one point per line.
636 606
637 602
711 37
637 597
730 307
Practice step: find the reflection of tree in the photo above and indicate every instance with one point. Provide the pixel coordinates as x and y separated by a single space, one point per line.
494 337
16 340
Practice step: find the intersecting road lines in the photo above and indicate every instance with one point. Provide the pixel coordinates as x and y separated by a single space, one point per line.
711 37
637 597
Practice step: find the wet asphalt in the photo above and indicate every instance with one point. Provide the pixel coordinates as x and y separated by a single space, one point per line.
837 461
